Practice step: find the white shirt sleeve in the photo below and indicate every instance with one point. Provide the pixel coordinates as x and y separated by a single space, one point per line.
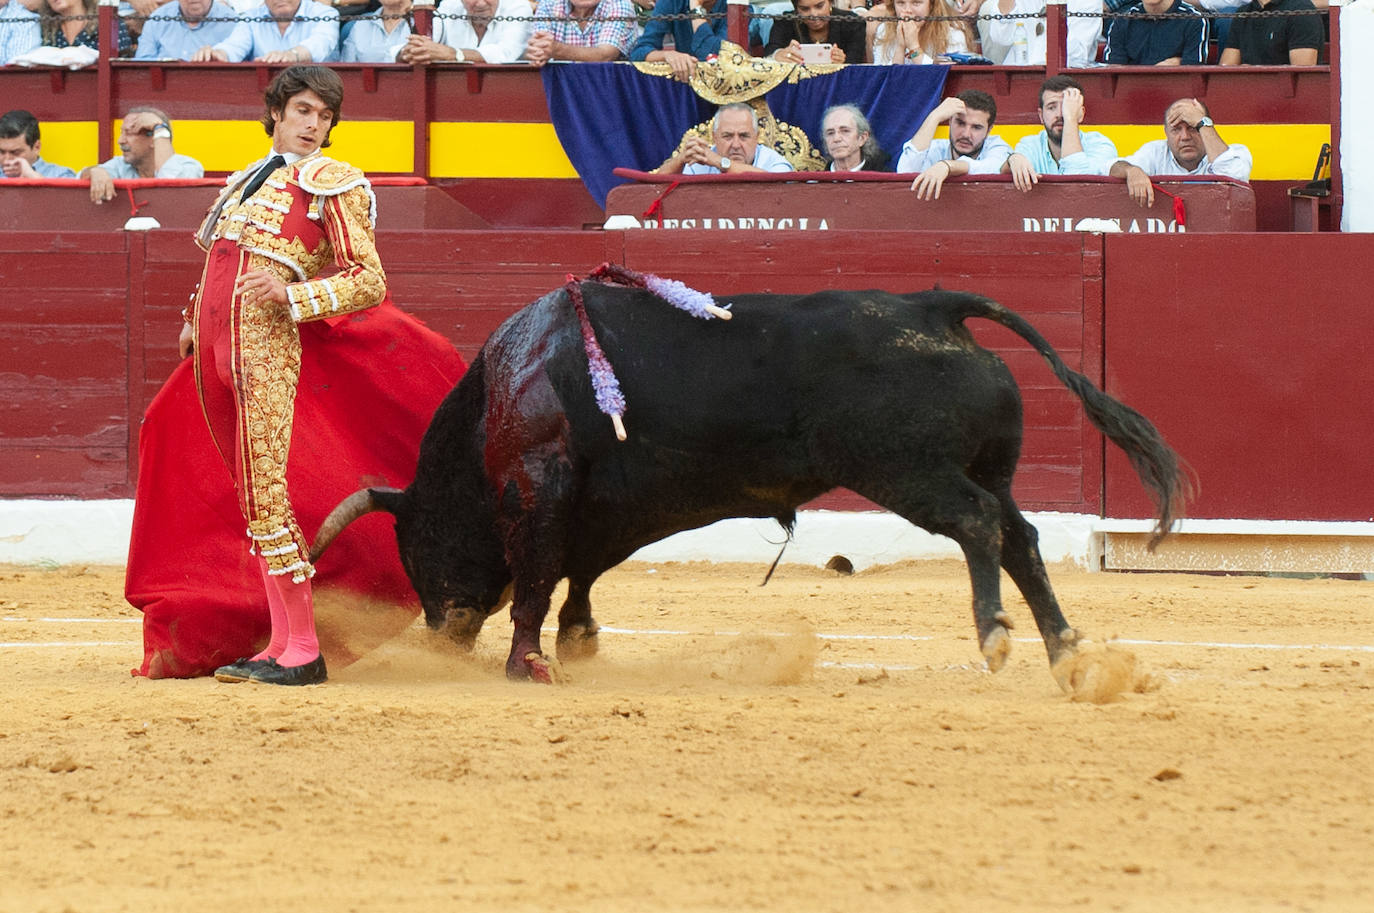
1236 162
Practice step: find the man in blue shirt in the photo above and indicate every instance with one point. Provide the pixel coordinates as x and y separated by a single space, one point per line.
145 139
19 32
736 150
378 36
19 145
695 38
1060 148
280 31
1158 42
177 30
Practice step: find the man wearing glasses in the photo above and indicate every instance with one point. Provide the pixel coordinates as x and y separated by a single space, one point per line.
146 143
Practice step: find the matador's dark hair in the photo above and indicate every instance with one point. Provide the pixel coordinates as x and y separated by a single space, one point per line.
323 81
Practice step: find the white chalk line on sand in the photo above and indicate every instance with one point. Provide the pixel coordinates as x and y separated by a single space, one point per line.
674 632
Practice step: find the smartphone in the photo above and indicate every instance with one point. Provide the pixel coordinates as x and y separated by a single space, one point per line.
815 53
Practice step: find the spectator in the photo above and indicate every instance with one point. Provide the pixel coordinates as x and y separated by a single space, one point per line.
20 146
378 36
1061 147
925 32
1279 41
137 13
476 31
849 141
1003 39
19 31
146 141
177 30
581 30
1158 42
76 23
736 149
844 33
1191 145
280 31
695 38
970 149
1219 26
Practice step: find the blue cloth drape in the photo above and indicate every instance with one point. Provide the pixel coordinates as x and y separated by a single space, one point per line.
610 115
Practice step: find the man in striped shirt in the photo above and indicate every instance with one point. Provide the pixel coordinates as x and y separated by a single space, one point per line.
19 32
580 30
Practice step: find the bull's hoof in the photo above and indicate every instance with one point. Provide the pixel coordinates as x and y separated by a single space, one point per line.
1062 653
544 670
996 648
578 642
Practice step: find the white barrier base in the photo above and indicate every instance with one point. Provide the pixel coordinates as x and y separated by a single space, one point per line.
97 532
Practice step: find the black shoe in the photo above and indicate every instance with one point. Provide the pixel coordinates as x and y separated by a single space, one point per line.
273 673
239 670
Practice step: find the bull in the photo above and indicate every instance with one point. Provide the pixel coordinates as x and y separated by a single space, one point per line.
521 481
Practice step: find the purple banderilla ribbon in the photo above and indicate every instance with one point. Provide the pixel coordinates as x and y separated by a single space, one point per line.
609 398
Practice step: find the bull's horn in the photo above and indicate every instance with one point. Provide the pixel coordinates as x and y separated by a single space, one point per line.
349 509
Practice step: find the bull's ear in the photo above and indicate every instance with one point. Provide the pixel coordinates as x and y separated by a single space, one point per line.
391 500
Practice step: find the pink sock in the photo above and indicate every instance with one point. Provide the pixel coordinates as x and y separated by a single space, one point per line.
302 646
276 609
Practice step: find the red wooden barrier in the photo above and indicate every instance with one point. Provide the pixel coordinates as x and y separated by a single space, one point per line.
1251 367
1256 368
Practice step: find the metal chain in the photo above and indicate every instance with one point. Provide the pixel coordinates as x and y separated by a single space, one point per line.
672 17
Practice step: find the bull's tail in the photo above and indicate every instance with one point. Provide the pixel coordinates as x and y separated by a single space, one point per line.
1160 469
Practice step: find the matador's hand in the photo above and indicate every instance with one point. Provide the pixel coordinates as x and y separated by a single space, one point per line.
260 286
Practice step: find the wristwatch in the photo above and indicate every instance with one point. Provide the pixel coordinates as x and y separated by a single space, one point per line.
1205 122
724 164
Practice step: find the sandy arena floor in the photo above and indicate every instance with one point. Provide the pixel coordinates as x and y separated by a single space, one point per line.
825 743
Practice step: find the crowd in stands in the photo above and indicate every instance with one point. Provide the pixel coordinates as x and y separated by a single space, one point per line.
676 32
1192 145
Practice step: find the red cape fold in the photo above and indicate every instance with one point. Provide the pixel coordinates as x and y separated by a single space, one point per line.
369 385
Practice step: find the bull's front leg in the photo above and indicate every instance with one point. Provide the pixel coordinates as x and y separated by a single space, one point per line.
528 611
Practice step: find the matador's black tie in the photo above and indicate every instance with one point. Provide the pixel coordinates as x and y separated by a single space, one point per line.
256 181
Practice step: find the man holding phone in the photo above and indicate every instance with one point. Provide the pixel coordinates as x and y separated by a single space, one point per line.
817 23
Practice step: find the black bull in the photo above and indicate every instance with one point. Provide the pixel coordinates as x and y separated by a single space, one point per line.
521 480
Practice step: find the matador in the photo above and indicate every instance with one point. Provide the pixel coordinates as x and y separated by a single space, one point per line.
273 229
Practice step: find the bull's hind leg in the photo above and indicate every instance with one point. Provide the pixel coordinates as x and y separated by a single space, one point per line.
953 506
1023 563
577 629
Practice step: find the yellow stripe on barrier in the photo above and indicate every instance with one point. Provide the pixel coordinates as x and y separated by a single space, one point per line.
496 150
69 142
1282 152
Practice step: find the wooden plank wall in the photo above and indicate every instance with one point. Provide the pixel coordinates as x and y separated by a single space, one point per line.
99 336
1257 370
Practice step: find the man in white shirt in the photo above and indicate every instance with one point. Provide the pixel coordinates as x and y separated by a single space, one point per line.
1191 145
280 31
1021 41
473 31
970 149
736 149
145 140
